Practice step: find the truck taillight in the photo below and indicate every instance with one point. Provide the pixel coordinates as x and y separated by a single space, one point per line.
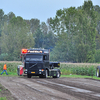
24 51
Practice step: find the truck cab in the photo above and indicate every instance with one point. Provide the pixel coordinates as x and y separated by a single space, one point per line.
36 63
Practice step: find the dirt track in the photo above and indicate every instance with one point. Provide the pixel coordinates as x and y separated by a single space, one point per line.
52 89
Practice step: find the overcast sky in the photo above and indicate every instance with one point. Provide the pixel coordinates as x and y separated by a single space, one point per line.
40 9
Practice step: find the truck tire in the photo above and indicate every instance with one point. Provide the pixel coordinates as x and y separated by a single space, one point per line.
46 74
98 71
57 75
28 76
40 76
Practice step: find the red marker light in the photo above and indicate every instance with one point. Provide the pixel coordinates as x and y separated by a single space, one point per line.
24 50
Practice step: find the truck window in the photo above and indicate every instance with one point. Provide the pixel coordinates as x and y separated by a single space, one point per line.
34 58
45 57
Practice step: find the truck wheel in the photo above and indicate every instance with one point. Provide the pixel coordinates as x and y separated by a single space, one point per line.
46 74
98 71
57 75
40 76
28 75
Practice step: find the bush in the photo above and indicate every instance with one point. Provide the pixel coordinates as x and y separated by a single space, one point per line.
68 69
11 66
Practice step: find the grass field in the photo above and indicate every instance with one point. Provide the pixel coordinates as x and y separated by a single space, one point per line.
11 67
87 69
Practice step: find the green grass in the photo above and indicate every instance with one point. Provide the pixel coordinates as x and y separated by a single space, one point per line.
11 68
78 69
9 74
3 98
81 76
81 70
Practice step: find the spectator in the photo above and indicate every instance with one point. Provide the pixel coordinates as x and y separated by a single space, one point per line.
4 69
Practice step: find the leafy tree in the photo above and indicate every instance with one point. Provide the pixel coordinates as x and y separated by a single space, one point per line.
97 9
1 23
65 24
58 52
97 56
15 36
10 15
44 28
44 37
49 38
1 19
38 36
79 27
34 25
97 41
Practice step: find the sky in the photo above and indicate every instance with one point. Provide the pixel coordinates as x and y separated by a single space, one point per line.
40 9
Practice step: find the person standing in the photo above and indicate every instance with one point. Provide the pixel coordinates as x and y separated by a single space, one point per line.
4 69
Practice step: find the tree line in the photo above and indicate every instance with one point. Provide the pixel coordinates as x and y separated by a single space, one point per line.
78 31
17 33
73 35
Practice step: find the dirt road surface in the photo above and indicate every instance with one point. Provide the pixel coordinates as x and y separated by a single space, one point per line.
36 88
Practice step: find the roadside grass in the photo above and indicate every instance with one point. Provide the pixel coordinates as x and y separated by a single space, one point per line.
81 76
3 92
11 68
9 74
76 70
79 70
3 98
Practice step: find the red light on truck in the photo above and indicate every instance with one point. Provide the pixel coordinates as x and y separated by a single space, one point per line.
42 70
24 51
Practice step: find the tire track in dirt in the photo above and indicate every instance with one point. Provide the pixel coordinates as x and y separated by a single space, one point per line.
86 91
46 90
52 89
24 89
87 84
